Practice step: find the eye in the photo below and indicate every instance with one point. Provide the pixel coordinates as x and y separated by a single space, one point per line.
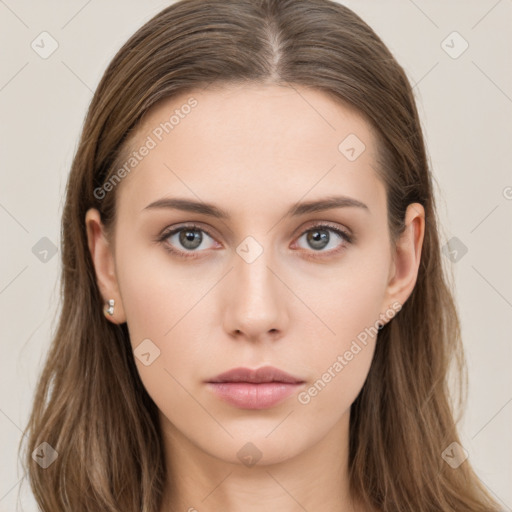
186 239
320 237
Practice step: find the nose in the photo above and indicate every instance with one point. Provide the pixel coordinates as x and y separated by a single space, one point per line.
256 305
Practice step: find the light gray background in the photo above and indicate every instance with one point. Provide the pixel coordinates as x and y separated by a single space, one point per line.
466 109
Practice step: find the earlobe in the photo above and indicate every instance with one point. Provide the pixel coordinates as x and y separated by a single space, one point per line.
104 266
407 256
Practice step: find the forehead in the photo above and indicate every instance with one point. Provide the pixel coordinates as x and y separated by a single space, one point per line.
253 148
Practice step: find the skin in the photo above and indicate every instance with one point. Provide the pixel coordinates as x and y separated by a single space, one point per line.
254 151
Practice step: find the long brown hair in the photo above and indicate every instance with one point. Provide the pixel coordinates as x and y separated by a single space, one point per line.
90 405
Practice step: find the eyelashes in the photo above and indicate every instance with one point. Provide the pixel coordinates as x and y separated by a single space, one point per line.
316 234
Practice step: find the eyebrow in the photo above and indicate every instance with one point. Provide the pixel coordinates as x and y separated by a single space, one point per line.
295 210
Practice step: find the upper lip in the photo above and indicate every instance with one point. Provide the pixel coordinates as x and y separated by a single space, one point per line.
263 374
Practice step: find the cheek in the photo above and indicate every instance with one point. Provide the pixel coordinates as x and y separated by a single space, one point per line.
165 314
158 325
344 340
346 302
155 292
340 363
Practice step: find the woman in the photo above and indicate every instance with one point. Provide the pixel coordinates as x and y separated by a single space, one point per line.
255 314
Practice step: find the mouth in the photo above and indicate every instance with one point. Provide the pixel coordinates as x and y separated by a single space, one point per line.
254 389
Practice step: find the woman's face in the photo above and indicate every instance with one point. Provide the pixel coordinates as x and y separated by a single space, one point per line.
264 285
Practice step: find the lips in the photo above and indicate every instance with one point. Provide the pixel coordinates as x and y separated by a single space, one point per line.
261 375
254 389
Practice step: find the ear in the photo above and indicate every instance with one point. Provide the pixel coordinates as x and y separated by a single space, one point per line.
104 264
406 259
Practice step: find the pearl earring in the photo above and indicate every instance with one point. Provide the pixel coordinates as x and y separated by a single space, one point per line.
110 308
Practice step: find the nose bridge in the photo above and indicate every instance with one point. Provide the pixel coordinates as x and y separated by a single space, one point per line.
256 305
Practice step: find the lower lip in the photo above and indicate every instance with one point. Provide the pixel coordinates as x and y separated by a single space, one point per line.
248 395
